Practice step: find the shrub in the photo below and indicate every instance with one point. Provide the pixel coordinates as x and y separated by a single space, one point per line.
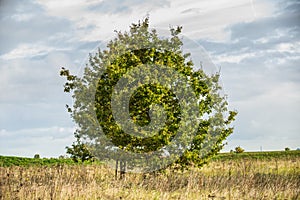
36 156
79 151
239 149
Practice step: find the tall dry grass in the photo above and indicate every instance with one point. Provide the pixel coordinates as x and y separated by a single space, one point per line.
232 179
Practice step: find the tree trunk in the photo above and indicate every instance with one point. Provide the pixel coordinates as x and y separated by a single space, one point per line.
122 169
116 172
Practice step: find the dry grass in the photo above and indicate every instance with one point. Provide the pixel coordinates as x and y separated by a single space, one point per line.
234 179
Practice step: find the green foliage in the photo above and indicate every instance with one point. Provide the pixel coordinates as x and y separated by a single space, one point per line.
62 157
6 161
239 149
264 155
146 48
37 156
79 151
287 149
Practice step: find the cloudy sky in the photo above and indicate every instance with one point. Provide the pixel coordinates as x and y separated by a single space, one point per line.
256 44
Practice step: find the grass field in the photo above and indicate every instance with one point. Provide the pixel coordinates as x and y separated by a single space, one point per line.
261 175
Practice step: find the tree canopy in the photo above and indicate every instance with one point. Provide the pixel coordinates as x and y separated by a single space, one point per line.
141 100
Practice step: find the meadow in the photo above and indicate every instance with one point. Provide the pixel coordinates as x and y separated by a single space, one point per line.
257 175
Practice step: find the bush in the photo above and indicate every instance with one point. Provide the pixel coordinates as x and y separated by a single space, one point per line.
63 157
287 149
239 149
36 156
79 151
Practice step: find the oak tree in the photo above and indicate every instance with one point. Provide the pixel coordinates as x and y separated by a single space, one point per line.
137 95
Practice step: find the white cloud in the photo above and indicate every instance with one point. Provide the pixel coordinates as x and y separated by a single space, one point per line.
22 17
201 19
270 112
274 35
30 81
288 47
29 51
234 58
53 132
208 19
48 142
94 25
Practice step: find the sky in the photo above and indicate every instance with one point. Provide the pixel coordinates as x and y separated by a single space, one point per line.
254 44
